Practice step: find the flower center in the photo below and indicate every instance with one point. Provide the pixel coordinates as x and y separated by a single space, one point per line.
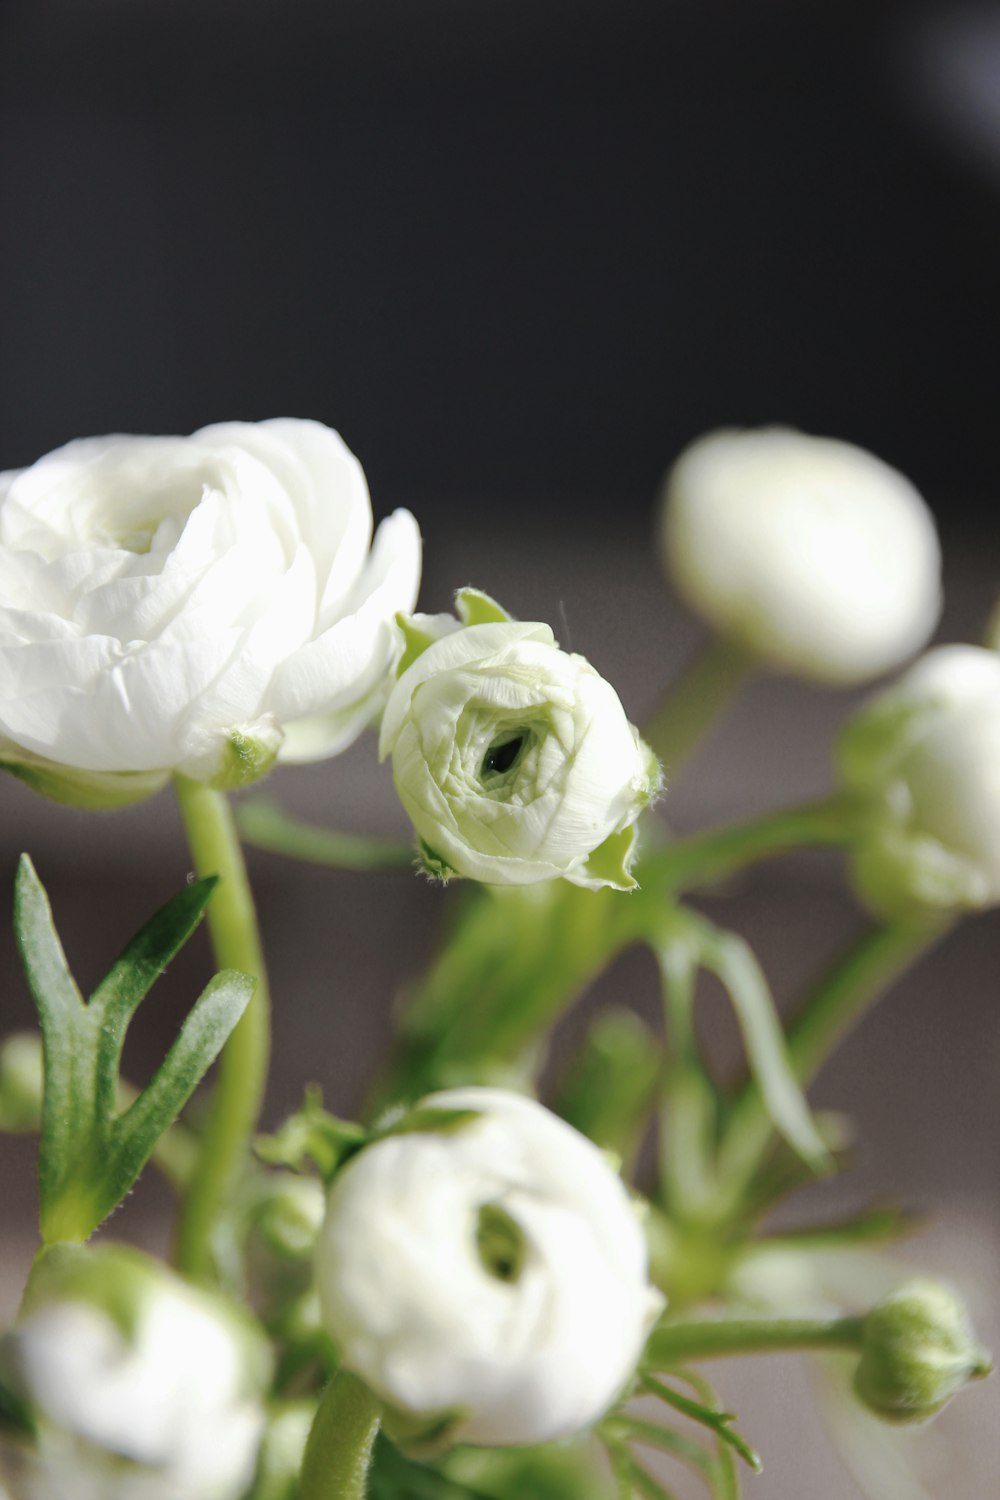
499 1243
504 754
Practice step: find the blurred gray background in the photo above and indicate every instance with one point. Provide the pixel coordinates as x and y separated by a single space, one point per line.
519 254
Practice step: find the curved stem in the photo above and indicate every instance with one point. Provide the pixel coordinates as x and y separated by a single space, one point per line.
704 857
242 1071
724 1337
833 1008
694 700
339 1450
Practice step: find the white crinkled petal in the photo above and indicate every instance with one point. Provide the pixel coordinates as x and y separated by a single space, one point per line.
418 1316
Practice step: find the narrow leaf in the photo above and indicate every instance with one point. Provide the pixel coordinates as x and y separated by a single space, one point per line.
69 1042
131 976
201 1039
733 962
717 1421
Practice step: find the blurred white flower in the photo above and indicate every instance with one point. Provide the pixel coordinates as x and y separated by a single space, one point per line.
812 555
515 760
141 1388
925 755
196 604
489 1276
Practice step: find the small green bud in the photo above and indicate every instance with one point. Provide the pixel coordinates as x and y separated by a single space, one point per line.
918 1350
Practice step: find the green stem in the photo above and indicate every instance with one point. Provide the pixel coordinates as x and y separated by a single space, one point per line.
833 1008
266 826
339 1450
694 700
242 1071
722 1338
711 856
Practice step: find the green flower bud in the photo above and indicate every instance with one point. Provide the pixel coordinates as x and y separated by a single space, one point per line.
918 1351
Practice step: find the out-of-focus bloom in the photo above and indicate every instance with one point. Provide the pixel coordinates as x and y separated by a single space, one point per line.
918 1352
138 1386
812 555
515 760
486 1276
21 1082
924 755
199 604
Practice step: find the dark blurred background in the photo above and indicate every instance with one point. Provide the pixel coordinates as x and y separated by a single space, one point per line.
520 252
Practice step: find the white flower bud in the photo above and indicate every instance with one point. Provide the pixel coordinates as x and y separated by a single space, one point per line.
198 604
488 1278
811 554
925 755
515 760
139 1386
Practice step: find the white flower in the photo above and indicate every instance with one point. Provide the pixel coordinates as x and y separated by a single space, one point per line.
811 554
491 1275
141 1388
515 760
195 604
925 755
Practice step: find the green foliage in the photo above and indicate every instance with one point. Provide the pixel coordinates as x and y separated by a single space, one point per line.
91 1154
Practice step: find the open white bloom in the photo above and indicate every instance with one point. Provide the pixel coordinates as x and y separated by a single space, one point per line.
197 604
140 1387
812 555
925 754
488 1276
515 760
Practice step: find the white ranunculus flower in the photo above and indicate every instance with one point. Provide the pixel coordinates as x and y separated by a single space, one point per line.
515 760
140 1387
925 755
196 604
812 555
489 1275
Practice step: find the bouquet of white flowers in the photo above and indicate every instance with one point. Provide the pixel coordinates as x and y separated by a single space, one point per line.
459 1296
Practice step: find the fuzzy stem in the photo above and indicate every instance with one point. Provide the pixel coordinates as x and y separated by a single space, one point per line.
339 1450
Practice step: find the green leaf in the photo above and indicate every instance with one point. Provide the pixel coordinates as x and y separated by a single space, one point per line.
200 1040
707 1415
473 607
610 864
733 962
89 1157
132 975
312 1138
69 1043
266 826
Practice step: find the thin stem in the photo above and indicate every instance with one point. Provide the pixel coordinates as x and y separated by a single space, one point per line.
694 700
339 1450
834 1007
266 826
711 856
725 1337
242 1070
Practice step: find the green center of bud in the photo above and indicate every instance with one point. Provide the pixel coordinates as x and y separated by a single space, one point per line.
499 1243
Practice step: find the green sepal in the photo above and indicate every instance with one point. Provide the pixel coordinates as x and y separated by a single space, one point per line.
420 631
312 1138
426 1120
610 864
434 865
95 791
90 1155
247 757
473 607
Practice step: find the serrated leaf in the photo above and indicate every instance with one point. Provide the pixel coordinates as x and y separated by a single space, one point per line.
201 1038
131 976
